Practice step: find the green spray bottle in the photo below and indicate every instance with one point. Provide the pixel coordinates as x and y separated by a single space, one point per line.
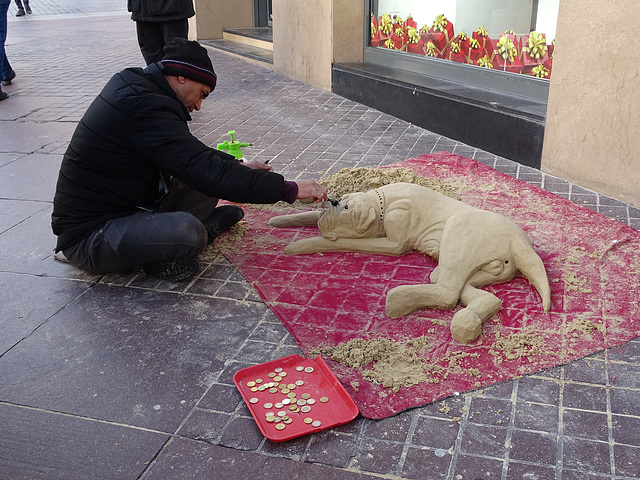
233 148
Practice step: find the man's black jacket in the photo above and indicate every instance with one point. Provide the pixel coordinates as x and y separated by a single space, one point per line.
135 129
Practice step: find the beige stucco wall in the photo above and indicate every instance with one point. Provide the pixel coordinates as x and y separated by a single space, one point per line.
592 135
214 15
309 35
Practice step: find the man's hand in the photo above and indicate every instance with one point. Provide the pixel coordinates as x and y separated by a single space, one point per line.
255 165
310 189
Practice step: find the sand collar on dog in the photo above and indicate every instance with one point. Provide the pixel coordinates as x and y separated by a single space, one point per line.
380 204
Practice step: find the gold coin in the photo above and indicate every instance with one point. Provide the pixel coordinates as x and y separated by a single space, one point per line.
278 405
287 421
308 420
280 426
292 395
277 370
306 396
301 402
285 418
273 390
294 408
283 374
270 419
277 378
271 374
258 380
291 386
251 384
324 399
254 389
262 388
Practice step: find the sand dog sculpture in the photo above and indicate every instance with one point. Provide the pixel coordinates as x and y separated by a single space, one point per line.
473 247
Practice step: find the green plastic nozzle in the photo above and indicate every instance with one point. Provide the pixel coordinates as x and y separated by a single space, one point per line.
233 148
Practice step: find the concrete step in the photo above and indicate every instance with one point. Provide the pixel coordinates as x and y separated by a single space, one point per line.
252 44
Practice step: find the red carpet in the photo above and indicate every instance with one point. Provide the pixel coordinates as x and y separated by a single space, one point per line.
327 299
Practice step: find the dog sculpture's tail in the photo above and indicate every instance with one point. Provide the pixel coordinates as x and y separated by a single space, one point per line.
530 265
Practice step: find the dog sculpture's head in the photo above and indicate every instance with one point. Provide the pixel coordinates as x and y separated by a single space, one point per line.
355 216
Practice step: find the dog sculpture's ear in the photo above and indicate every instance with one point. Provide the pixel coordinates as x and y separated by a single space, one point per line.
363 216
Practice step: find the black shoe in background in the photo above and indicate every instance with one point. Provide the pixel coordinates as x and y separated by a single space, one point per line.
221 220
3 95
27 9
20 12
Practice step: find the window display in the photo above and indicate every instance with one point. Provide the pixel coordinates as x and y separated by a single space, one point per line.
506 35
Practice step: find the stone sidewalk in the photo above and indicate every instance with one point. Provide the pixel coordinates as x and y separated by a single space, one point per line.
126 377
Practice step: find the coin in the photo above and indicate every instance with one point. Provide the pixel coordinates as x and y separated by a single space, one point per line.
305 409
306 396
291 395
301 402
311 401
324 399
280 426
277 370
251 384
285 390
268 405
270 419
283 374
308 420
253 400
278 405
291 386
273 390
282 413
299 383
299 368
254 389
316 423
287 421
258 380
308 369
277 378
271 374
286 401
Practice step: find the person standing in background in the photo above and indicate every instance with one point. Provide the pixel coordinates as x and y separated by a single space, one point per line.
23 10
5 68
159 21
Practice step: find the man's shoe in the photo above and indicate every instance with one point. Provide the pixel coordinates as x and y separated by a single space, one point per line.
20 12
7 81
173 270
27 9
221 220
3 95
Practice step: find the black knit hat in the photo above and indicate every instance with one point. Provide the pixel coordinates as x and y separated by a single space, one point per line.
187 58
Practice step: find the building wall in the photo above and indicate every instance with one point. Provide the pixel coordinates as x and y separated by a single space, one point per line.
592 135
214 15
309 35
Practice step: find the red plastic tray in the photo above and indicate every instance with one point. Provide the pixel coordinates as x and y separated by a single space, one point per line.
326 402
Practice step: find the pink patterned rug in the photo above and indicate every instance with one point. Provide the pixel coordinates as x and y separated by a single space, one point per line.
593 264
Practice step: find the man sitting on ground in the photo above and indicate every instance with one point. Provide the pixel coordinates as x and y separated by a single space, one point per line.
137 189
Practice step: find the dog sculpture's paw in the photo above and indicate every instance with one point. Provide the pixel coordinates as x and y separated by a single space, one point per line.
399 302
466 326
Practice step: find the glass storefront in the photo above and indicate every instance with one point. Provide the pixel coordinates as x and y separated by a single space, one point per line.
463 39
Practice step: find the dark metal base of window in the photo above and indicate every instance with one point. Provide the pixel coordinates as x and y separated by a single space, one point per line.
506 125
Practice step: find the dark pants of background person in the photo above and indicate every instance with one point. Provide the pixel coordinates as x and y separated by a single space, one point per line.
152 37
5 67
174 232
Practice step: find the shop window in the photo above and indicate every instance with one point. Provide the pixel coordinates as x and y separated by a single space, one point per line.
459 38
